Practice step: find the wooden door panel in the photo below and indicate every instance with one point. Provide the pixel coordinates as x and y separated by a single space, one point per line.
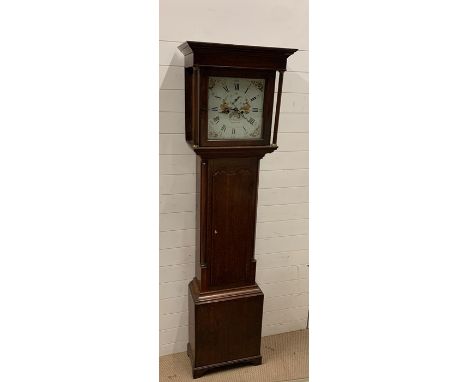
233 198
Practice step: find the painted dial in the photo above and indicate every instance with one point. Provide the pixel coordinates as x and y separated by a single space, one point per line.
235 108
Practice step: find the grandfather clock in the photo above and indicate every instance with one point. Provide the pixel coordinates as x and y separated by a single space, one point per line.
229 92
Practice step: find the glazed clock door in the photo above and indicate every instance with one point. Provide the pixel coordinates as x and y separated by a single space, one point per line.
233 196
235 107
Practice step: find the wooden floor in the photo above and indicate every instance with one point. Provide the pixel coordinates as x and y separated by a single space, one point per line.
285 358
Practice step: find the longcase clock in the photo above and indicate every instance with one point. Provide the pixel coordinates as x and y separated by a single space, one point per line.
229 93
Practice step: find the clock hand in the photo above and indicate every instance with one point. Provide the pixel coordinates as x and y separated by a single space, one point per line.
234 104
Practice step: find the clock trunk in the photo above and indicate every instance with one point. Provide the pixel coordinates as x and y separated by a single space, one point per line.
225 303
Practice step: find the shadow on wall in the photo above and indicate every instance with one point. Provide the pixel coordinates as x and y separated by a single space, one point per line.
171 76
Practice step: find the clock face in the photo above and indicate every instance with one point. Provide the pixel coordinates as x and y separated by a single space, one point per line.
235 108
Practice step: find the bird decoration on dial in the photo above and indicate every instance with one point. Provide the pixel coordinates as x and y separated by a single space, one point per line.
235 108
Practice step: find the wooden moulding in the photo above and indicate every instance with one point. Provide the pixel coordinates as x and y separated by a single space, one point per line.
240 56
234 151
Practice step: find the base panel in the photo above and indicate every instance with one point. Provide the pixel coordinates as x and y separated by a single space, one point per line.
224 328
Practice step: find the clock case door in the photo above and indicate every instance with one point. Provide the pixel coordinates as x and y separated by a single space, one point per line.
267 75
231 221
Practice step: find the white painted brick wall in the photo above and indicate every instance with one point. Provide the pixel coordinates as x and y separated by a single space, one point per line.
282 227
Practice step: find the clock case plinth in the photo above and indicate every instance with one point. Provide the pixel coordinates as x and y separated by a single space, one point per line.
225 303
224 327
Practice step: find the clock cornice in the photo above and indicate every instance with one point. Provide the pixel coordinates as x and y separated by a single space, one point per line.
198 53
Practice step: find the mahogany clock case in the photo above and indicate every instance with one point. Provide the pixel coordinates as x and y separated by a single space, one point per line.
225 303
